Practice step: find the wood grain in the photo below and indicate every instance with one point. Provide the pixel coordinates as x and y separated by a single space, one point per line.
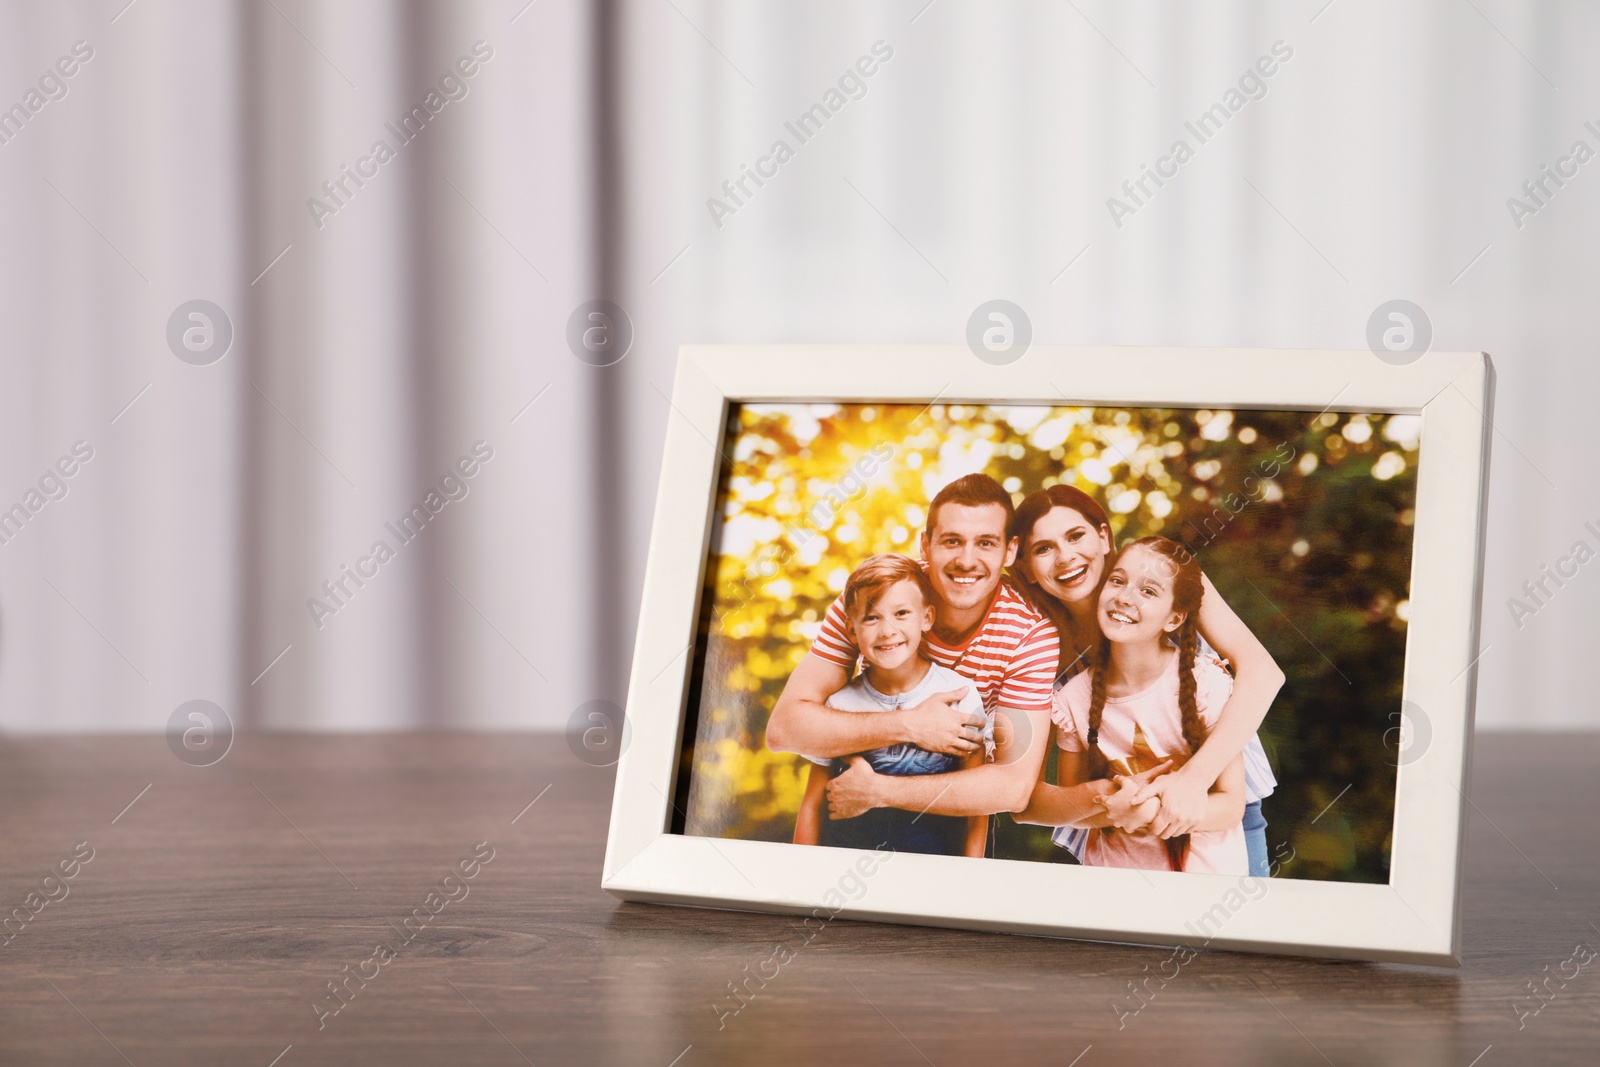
217 908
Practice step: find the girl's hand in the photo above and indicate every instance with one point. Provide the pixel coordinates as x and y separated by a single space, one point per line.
1183 803
1141 815
1124 811
854 791
1144 778
1134 810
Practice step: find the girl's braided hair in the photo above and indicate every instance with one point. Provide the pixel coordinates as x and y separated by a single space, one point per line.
1187 591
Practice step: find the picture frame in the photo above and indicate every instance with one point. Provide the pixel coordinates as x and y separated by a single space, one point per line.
1415 918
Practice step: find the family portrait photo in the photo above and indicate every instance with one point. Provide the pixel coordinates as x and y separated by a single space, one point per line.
1160 639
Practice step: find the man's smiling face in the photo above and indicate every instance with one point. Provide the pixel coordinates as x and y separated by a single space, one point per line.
967 551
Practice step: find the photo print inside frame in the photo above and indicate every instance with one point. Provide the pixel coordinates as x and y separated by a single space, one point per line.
1300 523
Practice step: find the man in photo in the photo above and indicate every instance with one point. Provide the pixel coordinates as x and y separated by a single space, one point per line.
985 631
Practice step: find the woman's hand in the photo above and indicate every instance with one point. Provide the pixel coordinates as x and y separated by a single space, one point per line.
855 791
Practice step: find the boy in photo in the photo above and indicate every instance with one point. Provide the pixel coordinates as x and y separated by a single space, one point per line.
889 603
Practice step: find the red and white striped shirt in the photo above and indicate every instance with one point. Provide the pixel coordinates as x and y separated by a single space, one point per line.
1010 658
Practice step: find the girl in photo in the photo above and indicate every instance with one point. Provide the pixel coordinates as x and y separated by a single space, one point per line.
1148 700
1065 552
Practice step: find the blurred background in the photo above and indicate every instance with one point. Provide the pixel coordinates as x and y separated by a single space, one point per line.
379 327
1303 521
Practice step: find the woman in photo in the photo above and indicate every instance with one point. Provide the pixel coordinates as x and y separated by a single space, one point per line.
1065 553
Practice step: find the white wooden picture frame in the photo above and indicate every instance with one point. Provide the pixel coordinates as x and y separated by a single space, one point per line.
1415 918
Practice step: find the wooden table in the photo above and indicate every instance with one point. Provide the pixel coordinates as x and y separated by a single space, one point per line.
220 904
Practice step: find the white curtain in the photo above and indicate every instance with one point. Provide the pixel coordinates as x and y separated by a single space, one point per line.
374 345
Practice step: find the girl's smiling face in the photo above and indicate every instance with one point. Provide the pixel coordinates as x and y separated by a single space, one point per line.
1066 555
1136 602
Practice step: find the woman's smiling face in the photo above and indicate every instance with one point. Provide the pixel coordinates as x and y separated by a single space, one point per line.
1066 555
1136 602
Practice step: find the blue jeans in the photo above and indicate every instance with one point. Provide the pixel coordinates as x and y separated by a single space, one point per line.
907 759
902 831
1255 839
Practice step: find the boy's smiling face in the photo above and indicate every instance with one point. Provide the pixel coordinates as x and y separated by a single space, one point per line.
1136 602
890 630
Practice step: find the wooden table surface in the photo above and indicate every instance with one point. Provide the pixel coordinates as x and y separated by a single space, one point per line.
219 906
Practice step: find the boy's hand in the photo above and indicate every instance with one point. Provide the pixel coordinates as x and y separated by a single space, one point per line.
938 725
854 791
